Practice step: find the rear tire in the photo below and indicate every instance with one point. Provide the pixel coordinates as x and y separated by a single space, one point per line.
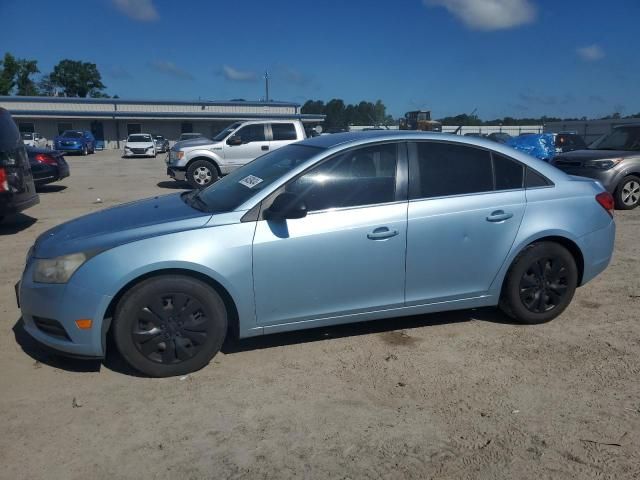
539 284
169 325
201 174
627 194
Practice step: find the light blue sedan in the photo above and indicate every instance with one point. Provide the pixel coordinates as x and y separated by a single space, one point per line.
336 229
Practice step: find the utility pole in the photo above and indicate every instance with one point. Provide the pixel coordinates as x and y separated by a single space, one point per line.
266 85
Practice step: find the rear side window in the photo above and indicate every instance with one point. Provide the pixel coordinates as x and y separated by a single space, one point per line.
509 174
534 179
363 176
443 169
283 131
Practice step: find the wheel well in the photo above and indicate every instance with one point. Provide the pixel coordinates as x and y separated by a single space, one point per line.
232 311
573 249
206 159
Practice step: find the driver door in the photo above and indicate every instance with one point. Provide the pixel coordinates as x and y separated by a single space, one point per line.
347 255
254 143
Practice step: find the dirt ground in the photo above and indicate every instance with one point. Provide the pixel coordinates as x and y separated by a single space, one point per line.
456 395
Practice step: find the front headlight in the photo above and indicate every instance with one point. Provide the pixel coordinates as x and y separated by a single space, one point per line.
603 164
57 270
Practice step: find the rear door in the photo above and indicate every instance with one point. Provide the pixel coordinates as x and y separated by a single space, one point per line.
282 134
465 209
254 144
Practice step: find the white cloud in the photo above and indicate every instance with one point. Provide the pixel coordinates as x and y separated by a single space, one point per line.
171 69
591 53
140 10
489 14
236 75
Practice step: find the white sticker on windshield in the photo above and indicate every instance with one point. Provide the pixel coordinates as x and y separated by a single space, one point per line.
250 181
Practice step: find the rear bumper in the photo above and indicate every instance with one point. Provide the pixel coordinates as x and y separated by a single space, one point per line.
597 250
10 205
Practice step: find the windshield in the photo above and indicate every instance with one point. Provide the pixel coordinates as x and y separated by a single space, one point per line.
236 188
27 136
159 137
139 138
72 134
222 135
627 138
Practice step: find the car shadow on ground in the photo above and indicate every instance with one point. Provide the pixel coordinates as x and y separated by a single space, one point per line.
16 223
174 185
398 330
50 188
390 325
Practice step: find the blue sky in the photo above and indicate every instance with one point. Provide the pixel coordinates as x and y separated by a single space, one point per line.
503 57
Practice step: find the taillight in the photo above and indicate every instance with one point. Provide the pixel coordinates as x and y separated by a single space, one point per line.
4 183
46 159
605 199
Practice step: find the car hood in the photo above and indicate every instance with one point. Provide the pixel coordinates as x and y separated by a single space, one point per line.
582 155
119 225
195 143
138 144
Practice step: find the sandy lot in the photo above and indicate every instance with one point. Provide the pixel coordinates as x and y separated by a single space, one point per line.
457 395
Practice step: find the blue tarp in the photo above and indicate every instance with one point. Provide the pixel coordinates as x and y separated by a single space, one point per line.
541 146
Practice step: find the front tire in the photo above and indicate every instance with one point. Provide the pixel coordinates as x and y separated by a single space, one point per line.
85 151
628 193
169 325
201 174
540 283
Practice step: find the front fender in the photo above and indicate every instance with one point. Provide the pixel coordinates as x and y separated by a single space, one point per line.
222 253
204 154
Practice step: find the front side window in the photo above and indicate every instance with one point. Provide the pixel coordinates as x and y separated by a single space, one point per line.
439 169
363 176
283 131
252 133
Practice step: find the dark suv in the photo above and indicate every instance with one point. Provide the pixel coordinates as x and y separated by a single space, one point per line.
613 160
17 191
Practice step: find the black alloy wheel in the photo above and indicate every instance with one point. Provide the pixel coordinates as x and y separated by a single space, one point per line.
170 328
544 284
169 325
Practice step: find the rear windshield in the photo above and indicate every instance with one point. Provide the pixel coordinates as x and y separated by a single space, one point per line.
139 138
72 134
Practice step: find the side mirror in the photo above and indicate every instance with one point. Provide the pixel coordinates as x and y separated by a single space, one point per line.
284 206
234 140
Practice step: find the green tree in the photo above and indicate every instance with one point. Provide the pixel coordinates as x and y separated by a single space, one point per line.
77 79
8 70
46 87
25 85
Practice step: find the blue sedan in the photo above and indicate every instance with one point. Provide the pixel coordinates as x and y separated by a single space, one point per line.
78 141
335 229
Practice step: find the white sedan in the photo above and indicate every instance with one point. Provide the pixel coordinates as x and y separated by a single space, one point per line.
140 145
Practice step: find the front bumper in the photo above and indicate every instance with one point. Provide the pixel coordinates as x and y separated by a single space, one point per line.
69 148
177 173
62 304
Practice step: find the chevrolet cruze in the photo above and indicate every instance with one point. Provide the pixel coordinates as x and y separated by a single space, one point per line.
335 229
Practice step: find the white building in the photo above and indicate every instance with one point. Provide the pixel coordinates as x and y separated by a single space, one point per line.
112 119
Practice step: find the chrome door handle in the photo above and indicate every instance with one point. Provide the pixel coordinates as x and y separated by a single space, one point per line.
381 233
499 216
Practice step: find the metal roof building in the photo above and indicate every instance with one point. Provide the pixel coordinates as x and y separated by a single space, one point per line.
112 119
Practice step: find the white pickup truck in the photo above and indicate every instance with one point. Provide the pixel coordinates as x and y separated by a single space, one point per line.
202 161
